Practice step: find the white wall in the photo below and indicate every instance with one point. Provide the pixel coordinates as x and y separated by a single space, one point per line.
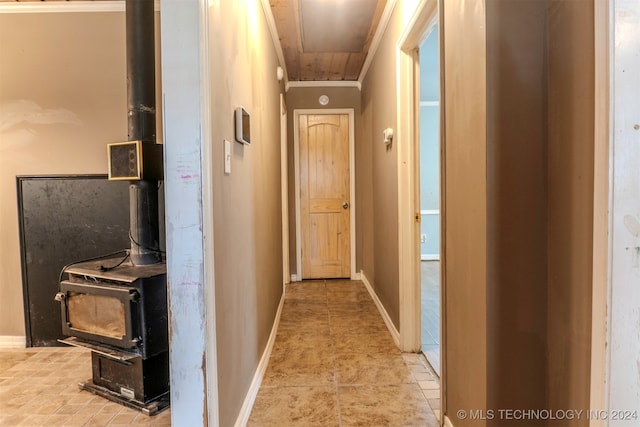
429 147
625 304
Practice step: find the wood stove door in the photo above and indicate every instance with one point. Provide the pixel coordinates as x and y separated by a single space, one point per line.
101 312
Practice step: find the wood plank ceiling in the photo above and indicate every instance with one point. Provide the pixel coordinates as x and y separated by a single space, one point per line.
322 39
326 39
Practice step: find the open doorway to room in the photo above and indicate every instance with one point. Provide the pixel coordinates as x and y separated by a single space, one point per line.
429 171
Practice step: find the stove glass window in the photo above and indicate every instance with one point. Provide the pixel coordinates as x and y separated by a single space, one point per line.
97 314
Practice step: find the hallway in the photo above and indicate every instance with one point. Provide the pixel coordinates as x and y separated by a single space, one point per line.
334 363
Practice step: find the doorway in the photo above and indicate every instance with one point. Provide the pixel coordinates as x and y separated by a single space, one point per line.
324 188
429 171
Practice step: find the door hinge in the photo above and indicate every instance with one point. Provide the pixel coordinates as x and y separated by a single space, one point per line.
418 218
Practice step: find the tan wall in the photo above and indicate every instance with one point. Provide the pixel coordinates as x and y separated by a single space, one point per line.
246 204
62 99
516 205
541 145
465 209
378 167
570 209
518 200
307 98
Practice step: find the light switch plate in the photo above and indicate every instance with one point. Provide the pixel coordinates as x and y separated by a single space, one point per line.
227 157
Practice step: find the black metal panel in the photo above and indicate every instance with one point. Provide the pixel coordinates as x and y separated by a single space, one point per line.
64 219
138 379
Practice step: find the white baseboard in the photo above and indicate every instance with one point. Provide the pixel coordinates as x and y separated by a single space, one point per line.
294 278
383 312
250 398
428 257
356 276
12 341
447 422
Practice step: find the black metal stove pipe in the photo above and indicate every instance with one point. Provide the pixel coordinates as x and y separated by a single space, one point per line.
143 195
141 83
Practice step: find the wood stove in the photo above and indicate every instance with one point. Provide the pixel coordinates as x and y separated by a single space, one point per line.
118 307
120 314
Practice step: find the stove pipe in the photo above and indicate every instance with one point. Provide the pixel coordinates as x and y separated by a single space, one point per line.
143 195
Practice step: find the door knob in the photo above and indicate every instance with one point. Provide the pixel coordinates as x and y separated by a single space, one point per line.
345 205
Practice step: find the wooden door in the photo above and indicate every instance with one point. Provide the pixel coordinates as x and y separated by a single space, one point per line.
325 205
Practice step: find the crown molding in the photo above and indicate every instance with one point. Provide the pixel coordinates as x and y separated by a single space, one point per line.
375 43
324 83
273 30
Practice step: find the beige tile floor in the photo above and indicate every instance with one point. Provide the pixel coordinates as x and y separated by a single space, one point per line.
39 387
334 363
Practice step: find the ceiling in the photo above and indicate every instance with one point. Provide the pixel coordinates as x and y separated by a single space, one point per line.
325 39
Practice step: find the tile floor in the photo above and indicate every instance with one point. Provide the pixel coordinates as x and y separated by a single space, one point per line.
334 363
430 281
39 387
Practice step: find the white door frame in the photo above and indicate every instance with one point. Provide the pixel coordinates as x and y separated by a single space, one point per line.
284 183
602 205
352 184
422 22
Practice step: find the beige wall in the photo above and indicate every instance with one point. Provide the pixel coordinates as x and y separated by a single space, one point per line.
516 204
465 209
246 204
307 98
377 167
62 99
570 208
518 334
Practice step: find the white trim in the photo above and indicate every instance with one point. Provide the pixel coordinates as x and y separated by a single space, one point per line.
377 37
250 398
430 212
294 278
284 191
383 312
209 273
602 208
296 180
13 341
324 83
67 6
273 30
352 192
423 20
447 422
429 103
352 183
190 262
